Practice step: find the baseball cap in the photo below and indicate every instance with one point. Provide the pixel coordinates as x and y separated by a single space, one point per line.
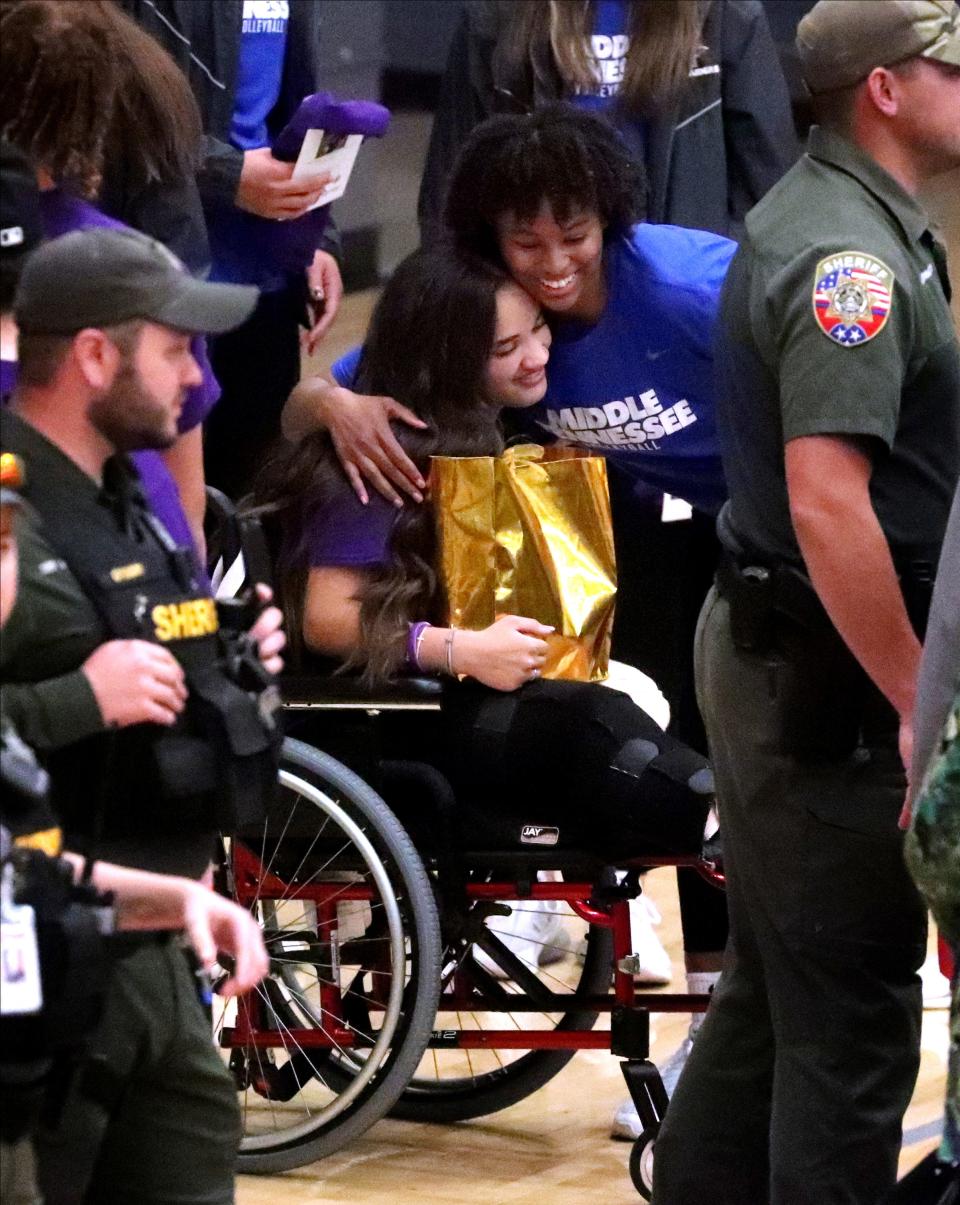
104 277
841 41
20 228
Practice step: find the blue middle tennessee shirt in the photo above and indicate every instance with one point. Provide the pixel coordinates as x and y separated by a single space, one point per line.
638 384
607 52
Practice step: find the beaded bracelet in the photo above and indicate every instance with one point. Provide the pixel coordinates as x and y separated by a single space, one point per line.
414 641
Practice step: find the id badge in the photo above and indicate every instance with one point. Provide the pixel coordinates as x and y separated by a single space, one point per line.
20 991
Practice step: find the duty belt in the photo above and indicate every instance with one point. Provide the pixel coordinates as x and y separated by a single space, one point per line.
783 588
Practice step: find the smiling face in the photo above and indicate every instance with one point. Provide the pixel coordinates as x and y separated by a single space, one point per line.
560 264
516 371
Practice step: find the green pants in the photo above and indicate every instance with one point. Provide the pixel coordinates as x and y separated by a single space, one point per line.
152 1116
797 1083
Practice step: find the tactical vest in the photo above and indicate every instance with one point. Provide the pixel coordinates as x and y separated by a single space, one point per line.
216 767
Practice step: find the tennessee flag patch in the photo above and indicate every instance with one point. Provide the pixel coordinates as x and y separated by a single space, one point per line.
852 297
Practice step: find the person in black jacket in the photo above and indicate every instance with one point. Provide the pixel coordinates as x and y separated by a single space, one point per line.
696 90
247 92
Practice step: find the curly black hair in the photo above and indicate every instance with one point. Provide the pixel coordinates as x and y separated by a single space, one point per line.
511 164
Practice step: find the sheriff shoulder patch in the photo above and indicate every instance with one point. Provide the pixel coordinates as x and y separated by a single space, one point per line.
852 297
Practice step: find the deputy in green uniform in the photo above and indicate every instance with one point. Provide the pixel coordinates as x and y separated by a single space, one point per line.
112 670
839 420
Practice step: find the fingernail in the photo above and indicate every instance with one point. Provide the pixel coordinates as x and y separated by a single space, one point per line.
418 497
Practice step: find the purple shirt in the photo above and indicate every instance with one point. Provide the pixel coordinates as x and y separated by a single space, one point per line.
61 214
341 531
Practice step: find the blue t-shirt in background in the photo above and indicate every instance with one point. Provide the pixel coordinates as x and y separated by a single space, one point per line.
638 384
263 42
608 53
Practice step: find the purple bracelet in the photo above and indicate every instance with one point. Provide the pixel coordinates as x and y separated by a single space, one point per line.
414 636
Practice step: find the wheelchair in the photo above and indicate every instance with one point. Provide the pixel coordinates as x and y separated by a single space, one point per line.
388 992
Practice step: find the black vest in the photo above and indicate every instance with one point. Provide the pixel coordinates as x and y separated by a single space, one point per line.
216 767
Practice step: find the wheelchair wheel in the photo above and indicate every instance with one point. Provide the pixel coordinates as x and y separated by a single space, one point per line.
454 1084
641 1162
351 928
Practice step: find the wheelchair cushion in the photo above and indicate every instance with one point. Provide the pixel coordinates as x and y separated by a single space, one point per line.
581 758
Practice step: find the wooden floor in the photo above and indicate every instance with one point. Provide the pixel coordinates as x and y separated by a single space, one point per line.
551 1148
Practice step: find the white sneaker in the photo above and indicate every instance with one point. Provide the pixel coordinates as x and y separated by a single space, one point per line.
654 963
533 931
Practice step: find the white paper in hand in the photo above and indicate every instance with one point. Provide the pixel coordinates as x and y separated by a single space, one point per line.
322 154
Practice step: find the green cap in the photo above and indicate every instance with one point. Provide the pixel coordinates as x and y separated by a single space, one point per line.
103 277
841 41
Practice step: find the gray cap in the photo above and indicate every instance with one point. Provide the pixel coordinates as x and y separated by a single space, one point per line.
104 277
841 41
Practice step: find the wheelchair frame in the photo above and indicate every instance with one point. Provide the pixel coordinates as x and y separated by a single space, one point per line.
466 885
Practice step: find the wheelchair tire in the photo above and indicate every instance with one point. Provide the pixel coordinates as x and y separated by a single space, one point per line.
641 1162
462 1099
366 849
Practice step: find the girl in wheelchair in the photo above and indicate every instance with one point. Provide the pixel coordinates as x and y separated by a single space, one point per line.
456 341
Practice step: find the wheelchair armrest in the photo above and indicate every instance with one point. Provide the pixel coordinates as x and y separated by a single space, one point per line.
337 693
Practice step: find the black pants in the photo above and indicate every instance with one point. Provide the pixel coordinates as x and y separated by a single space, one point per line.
257 365
797 1084
664 572
577 754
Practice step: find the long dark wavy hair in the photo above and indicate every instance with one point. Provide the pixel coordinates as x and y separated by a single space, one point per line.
512 163
428 346
82 85
664 40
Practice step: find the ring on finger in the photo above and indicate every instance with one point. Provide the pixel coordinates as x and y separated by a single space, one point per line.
534 673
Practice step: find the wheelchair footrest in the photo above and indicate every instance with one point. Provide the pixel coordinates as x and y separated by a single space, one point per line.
646 1090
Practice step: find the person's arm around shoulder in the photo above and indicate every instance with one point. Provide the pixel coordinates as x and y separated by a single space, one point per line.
503 656
361 431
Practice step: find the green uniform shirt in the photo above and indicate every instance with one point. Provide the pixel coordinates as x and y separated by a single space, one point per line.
836 321
51 631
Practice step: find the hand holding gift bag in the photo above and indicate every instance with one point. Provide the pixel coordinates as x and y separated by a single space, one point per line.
529 533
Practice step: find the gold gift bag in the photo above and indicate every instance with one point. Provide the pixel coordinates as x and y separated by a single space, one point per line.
529 533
